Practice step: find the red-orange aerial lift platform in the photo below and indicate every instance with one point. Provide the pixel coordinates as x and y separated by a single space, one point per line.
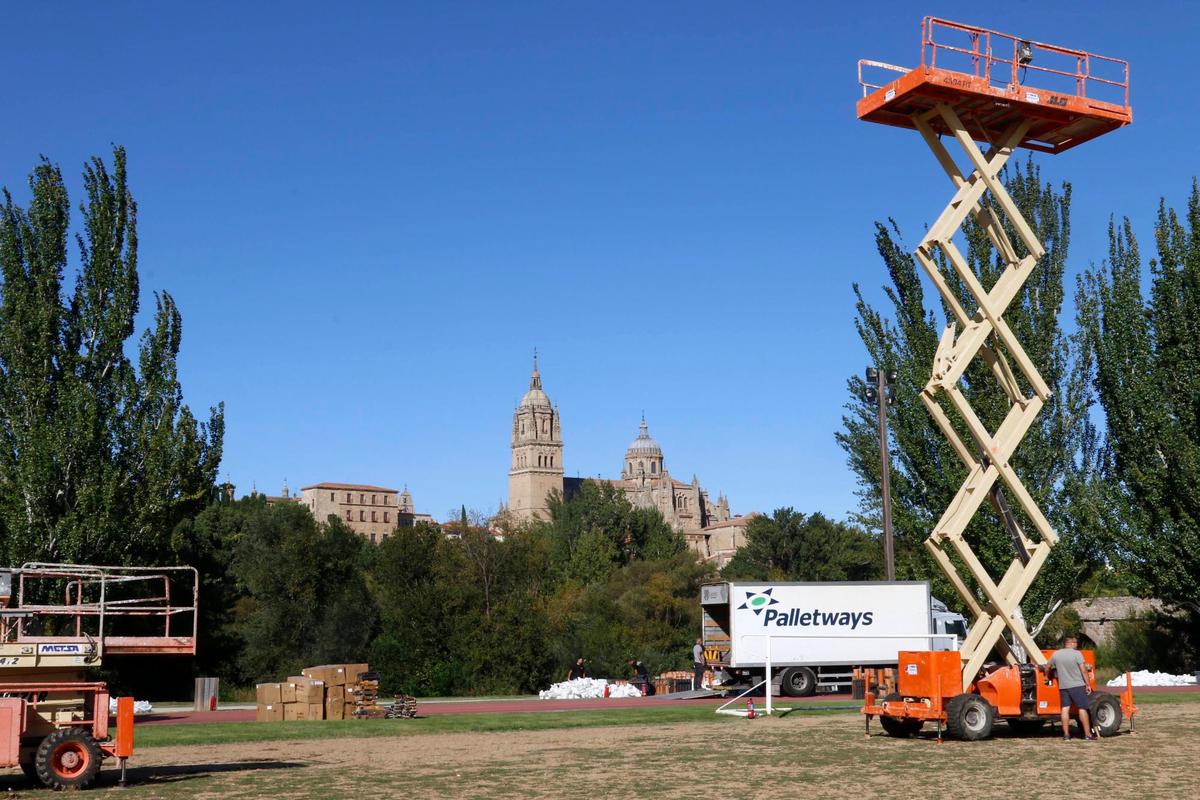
977 86
56 622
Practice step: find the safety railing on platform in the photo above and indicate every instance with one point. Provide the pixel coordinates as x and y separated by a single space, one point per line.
1007 60
126 610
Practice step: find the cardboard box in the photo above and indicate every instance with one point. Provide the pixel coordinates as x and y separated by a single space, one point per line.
335 709
331 674
287 692
314 693
335 694
295 711
336 674
354 670
268 694
269 712
307 690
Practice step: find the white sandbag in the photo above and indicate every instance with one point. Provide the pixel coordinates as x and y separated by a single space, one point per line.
588 689
1145 677
139 706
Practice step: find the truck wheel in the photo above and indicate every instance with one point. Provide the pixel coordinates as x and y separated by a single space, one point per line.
899 728
798 682
68 759
969 717
1025 727
1105 711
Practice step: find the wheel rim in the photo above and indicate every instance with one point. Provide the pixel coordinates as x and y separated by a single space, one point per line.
973 718
799 681
70 760
1105 715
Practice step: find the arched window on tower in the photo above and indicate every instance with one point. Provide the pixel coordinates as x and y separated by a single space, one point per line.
653 467
545 426
641 466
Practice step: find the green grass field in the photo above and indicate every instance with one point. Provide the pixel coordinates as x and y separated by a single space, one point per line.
231 732
653 752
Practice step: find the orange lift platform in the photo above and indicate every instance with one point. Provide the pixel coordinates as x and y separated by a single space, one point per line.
58 622
977 86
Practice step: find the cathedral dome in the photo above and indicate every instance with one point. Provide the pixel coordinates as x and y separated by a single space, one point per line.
535 397
644 444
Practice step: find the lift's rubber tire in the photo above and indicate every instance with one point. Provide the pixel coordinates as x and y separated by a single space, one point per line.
1105 712
900 728
969 717
1025 727
30 770
69 758
798 682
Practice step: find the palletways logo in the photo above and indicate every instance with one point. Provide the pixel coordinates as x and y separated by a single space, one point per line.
757 601
761 603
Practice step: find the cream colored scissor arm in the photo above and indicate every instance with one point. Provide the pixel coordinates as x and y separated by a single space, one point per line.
987 455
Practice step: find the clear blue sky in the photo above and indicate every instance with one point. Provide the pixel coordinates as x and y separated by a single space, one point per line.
370 214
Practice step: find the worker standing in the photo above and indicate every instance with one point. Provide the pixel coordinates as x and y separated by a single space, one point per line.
699 664
1068 666
578 670
642 676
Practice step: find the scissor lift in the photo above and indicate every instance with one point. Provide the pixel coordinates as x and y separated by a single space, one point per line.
56 622
975 86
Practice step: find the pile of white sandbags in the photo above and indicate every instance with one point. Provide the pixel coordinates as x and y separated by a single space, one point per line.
139 706
624 690
588 689
1144 677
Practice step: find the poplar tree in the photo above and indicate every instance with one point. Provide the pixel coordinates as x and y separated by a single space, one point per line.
99 456
1143 358
925 472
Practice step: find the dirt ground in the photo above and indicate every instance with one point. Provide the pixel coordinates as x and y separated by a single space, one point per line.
823 756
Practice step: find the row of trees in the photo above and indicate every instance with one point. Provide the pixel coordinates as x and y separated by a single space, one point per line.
1122 492
442 612
102 461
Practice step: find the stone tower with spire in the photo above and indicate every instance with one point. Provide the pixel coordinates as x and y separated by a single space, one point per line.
537 449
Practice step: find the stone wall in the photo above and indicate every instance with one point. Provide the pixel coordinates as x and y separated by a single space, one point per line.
1100 615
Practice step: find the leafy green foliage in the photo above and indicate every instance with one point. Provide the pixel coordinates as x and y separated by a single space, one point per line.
597 530
790 546
926 473
305 594
99 459
1143 357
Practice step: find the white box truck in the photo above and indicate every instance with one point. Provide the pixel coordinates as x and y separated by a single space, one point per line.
817 633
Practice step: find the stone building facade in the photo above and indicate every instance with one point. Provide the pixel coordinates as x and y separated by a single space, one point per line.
373 512
537 470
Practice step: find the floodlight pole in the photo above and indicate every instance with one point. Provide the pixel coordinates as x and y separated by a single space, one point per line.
882 391
885 471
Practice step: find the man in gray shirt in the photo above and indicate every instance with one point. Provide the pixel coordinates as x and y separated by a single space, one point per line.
699 664
1068 667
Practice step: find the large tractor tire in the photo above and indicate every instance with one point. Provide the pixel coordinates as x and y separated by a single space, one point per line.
1105 713
969 717
896 727
798 682
69 758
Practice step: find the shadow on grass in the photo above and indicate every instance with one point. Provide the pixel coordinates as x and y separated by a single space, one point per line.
175 773
15 784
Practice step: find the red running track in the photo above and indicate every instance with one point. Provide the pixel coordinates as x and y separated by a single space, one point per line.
533 704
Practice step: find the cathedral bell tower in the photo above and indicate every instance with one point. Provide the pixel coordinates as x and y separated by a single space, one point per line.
536 452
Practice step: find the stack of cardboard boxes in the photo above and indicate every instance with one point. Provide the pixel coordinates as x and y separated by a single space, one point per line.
317 693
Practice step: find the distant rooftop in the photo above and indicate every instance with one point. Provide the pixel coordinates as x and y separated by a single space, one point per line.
359 487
